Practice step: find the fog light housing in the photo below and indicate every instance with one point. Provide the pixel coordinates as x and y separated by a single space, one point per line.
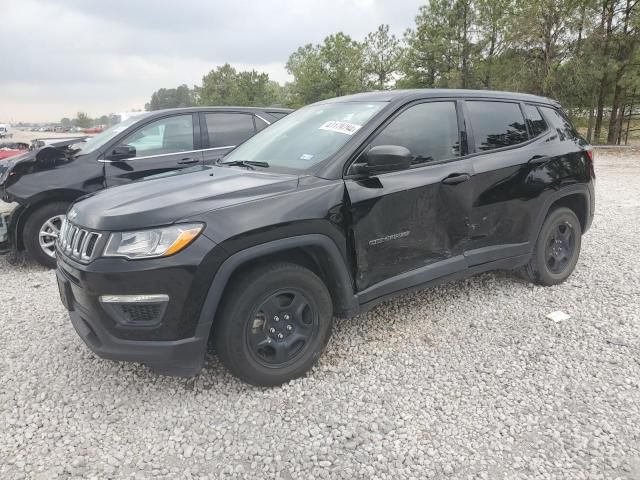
135 310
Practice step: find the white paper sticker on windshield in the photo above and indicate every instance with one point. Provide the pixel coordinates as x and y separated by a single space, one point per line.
306 156
340 127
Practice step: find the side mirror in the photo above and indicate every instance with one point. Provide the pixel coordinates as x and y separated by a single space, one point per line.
122 152
386 158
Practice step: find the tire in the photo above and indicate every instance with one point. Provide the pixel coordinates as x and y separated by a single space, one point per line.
557 249
273 324
37 222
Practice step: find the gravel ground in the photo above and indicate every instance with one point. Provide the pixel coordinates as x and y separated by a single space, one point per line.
468 380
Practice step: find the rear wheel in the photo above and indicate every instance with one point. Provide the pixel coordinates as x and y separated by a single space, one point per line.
274 324
41 231
557 249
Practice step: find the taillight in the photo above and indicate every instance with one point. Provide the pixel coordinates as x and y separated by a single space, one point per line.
589 153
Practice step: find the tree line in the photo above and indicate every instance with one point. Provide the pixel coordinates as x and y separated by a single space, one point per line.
583 53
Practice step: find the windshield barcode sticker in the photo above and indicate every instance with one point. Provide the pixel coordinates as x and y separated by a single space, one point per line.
340 127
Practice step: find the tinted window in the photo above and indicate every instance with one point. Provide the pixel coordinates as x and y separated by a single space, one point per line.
428 130
278 115
260 124
537 124
167 135
496 124
559 123
229 129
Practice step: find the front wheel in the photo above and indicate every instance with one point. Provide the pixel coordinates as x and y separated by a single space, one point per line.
273 324
557 249
41 231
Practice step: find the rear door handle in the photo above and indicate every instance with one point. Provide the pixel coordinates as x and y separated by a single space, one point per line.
456 178
539 160
188 161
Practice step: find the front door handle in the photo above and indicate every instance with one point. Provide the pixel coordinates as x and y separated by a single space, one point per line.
456 178
188 161
539 160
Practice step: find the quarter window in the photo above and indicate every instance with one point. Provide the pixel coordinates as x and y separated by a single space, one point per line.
559 123
536 123
260 124
229 129
428 130
496 124
164 136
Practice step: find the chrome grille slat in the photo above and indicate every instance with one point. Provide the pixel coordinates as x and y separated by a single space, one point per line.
78 243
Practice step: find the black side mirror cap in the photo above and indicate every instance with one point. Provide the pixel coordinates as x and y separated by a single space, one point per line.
386 158
122 152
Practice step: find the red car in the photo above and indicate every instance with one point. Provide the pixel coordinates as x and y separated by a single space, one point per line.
11 149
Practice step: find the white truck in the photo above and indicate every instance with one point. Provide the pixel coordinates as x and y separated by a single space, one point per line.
5 131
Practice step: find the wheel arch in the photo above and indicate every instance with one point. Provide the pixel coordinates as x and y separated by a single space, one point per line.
24 211
317 252
576 197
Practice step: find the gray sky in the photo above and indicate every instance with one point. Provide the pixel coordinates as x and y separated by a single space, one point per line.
62 56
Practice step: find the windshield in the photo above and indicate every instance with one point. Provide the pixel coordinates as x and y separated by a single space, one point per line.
94 143
307 136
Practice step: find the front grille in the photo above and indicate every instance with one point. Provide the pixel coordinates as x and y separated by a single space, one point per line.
77 243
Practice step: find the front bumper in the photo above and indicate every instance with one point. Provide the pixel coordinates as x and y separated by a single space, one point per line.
6 209
173 344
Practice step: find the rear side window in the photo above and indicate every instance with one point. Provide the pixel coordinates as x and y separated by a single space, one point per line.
260 124
496 124
537 125
229 129
278 115
428 130
559 123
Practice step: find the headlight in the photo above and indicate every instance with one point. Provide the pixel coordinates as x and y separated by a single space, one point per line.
156 242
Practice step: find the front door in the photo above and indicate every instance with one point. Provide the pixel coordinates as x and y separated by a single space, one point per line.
161 146
411 226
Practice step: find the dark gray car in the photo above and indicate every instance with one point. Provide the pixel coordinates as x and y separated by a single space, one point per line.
45 181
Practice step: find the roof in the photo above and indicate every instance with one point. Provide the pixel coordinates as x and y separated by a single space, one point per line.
221 109
398 95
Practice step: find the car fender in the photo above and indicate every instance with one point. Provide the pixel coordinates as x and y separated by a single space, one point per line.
339 271
582 189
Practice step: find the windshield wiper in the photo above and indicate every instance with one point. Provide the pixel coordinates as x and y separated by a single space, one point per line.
246 163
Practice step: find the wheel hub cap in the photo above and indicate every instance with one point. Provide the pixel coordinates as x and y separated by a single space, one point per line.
283 325
49 233
560 247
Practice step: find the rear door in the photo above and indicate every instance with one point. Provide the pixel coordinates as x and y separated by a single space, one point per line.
162 145
508 150
223 131
414 221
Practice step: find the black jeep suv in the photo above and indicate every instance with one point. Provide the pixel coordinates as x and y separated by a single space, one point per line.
336 207
45 181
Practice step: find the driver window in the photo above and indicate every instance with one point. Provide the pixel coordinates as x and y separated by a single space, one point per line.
164 136
428 130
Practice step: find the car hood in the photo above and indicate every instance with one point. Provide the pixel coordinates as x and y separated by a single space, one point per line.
45 158
164 201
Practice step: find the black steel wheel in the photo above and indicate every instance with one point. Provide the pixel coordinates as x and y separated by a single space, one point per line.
273 324
282 327
560 246
557 249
